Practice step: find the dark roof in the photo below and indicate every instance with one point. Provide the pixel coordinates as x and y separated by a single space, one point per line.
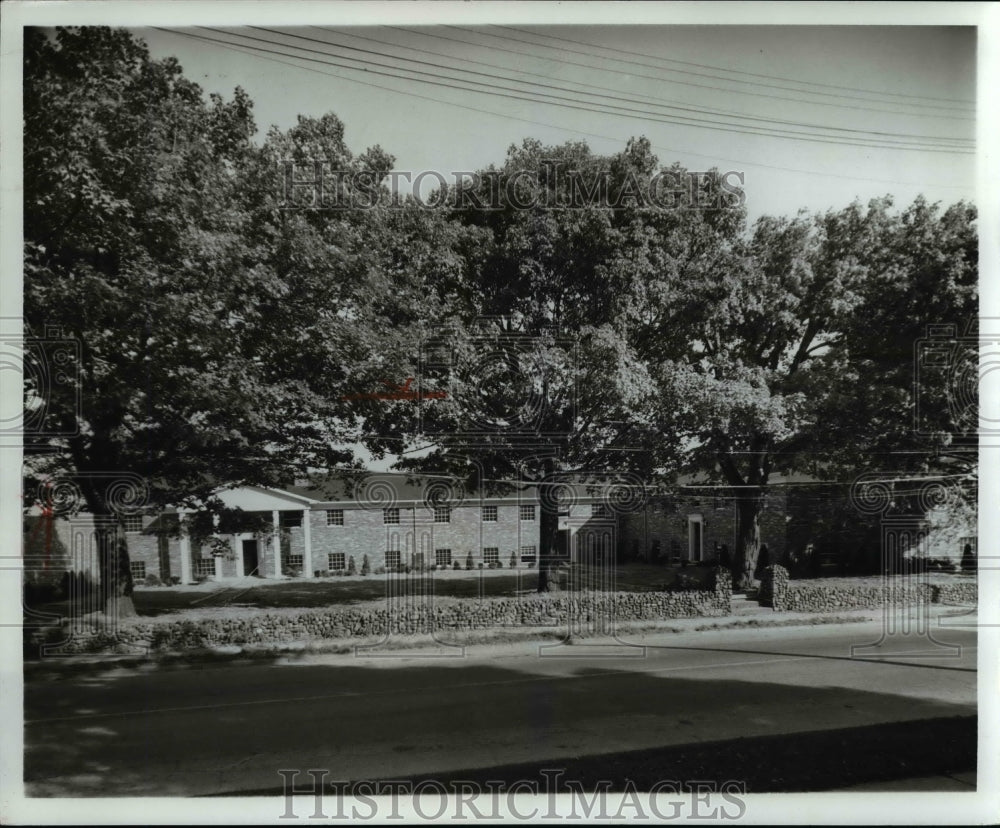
167 522
383 487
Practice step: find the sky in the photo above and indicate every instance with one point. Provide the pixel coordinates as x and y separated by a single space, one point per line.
701 94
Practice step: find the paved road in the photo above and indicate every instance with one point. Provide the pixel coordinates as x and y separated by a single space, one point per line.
218 729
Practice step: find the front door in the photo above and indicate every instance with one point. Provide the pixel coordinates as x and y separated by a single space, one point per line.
251 562
163 550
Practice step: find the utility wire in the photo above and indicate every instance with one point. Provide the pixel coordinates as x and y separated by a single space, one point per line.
741 72
571 103
250 51
664 103
631 74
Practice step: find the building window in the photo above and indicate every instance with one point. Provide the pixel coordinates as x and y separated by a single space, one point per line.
204 566
133 523
334 517
528 554
491 555
442 514
290 520
695 538
527 512
138 569
294 561
392 558
336 561
489 514
442 557
390 516
598 510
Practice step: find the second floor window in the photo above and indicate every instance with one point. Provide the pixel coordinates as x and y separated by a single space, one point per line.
390 516
442 514
527 512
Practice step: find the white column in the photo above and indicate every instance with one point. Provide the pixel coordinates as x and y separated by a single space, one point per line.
185 543
307 556
218 567
241 566
276 542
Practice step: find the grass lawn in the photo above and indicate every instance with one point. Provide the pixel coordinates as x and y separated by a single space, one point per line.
324 592
355 590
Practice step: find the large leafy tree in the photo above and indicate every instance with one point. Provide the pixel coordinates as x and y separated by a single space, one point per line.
218 329
800 353
571 301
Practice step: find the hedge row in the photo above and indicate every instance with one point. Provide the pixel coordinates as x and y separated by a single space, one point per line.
409 615
778 592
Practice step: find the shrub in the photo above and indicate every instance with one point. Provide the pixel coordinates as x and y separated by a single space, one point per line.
380 571
433 568
152 579
365 566
175 580
468 561
480 564
456 565
513 560
351 568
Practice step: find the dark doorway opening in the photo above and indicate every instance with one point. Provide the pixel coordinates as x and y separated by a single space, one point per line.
251 561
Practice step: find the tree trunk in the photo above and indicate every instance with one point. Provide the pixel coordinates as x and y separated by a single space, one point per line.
116 574
749 507
549 558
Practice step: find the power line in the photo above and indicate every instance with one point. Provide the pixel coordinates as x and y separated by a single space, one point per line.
250 51
572 103
617 96
881 110
742 72
631 73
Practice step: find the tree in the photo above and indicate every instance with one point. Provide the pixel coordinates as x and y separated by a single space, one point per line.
801 351
546 371
218 333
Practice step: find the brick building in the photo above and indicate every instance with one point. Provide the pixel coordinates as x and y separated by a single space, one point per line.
318 527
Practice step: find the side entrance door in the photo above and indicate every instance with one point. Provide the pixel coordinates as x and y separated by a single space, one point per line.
251 559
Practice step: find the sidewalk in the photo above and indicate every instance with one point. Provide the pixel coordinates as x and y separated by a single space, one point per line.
746 614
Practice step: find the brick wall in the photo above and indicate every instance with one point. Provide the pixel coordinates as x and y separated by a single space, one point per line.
661 527
364 532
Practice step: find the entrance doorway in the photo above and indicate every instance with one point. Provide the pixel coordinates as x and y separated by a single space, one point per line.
251 559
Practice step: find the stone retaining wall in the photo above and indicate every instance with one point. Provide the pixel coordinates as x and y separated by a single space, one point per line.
821 595
410 615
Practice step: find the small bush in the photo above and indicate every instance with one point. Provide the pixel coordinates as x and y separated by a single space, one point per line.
352 568
380 571
175 580
480 564
456 565
365 566
468 561
513 560
152 579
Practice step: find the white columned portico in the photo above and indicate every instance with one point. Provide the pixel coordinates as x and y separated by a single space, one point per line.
276 541
307 555
185 544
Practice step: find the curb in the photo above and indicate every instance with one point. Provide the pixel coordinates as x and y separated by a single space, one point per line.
229 654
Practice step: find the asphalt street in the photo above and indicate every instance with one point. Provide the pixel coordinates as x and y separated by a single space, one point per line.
226 728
